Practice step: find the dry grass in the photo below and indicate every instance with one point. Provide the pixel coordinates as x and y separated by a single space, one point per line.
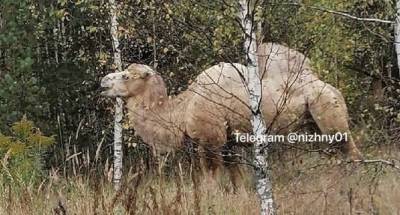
339 189
143 196
305 185
314 186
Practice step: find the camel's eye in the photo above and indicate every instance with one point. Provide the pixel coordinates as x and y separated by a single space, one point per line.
125 77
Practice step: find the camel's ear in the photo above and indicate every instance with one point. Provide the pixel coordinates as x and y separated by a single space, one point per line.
144 74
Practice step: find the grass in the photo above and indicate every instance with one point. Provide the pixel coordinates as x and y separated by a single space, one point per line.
303 184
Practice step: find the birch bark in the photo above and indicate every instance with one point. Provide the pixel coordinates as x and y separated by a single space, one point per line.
263 183
397 34
119 103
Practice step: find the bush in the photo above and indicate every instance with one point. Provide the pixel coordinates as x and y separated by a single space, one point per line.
22 153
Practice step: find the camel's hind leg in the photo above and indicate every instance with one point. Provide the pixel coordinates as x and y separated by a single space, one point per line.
232 163
328 109
214 161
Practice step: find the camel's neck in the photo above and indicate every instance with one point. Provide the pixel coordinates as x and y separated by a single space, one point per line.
153 100
157 119
152 96
146 102
140 109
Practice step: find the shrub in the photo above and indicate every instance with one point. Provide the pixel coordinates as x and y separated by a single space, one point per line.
22 153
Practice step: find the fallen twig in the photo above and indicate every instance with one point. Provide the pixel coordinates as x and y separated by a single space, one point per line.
391 163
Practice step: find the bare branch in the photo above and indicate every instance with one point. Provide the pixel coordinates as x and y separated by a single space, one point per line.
378 161
339 13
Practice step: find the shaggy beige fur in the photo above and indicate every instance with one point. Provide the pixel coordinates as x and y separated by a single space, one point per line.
217 100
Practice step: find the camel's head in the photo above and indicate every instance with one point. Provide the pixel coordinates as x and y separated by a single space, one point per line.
127 83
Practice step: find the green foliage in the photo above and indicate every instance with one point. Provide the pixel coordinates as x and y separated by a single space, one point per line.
355 56
22 152
53 54
20 91
182 38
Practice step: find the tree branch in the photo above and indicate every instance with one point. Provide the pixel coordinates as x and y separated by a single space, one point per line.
339 13
379 161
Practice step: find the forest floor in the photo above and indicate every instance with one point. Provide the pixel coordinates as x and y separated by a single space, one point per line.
307 184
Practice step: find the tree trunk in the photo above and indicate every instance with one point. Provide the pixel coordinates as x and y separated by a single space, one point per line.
397 34
119 104
263 183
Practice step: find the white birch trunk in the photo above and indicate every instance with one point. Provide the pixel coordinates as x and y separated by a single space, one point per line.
263 183
119 104
56 42
397 34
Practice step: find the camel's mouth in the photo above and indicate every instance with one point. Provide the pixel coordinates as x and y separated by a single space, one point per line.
105 91
105 87
114 85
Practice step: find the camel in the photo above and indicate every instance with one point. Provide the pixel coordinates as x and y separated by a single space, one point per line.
216 103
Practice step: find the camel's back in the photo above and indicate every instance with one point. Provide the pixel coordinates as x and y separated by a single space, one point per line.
221 74
278 64
281 63
219 95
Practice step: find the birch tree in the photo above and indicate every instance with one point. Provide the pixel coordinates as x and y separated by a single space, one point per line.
397 34
119 103
263 183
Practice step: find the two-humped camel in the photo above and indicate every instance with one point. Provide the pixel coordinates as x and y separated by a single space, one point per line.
217 100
